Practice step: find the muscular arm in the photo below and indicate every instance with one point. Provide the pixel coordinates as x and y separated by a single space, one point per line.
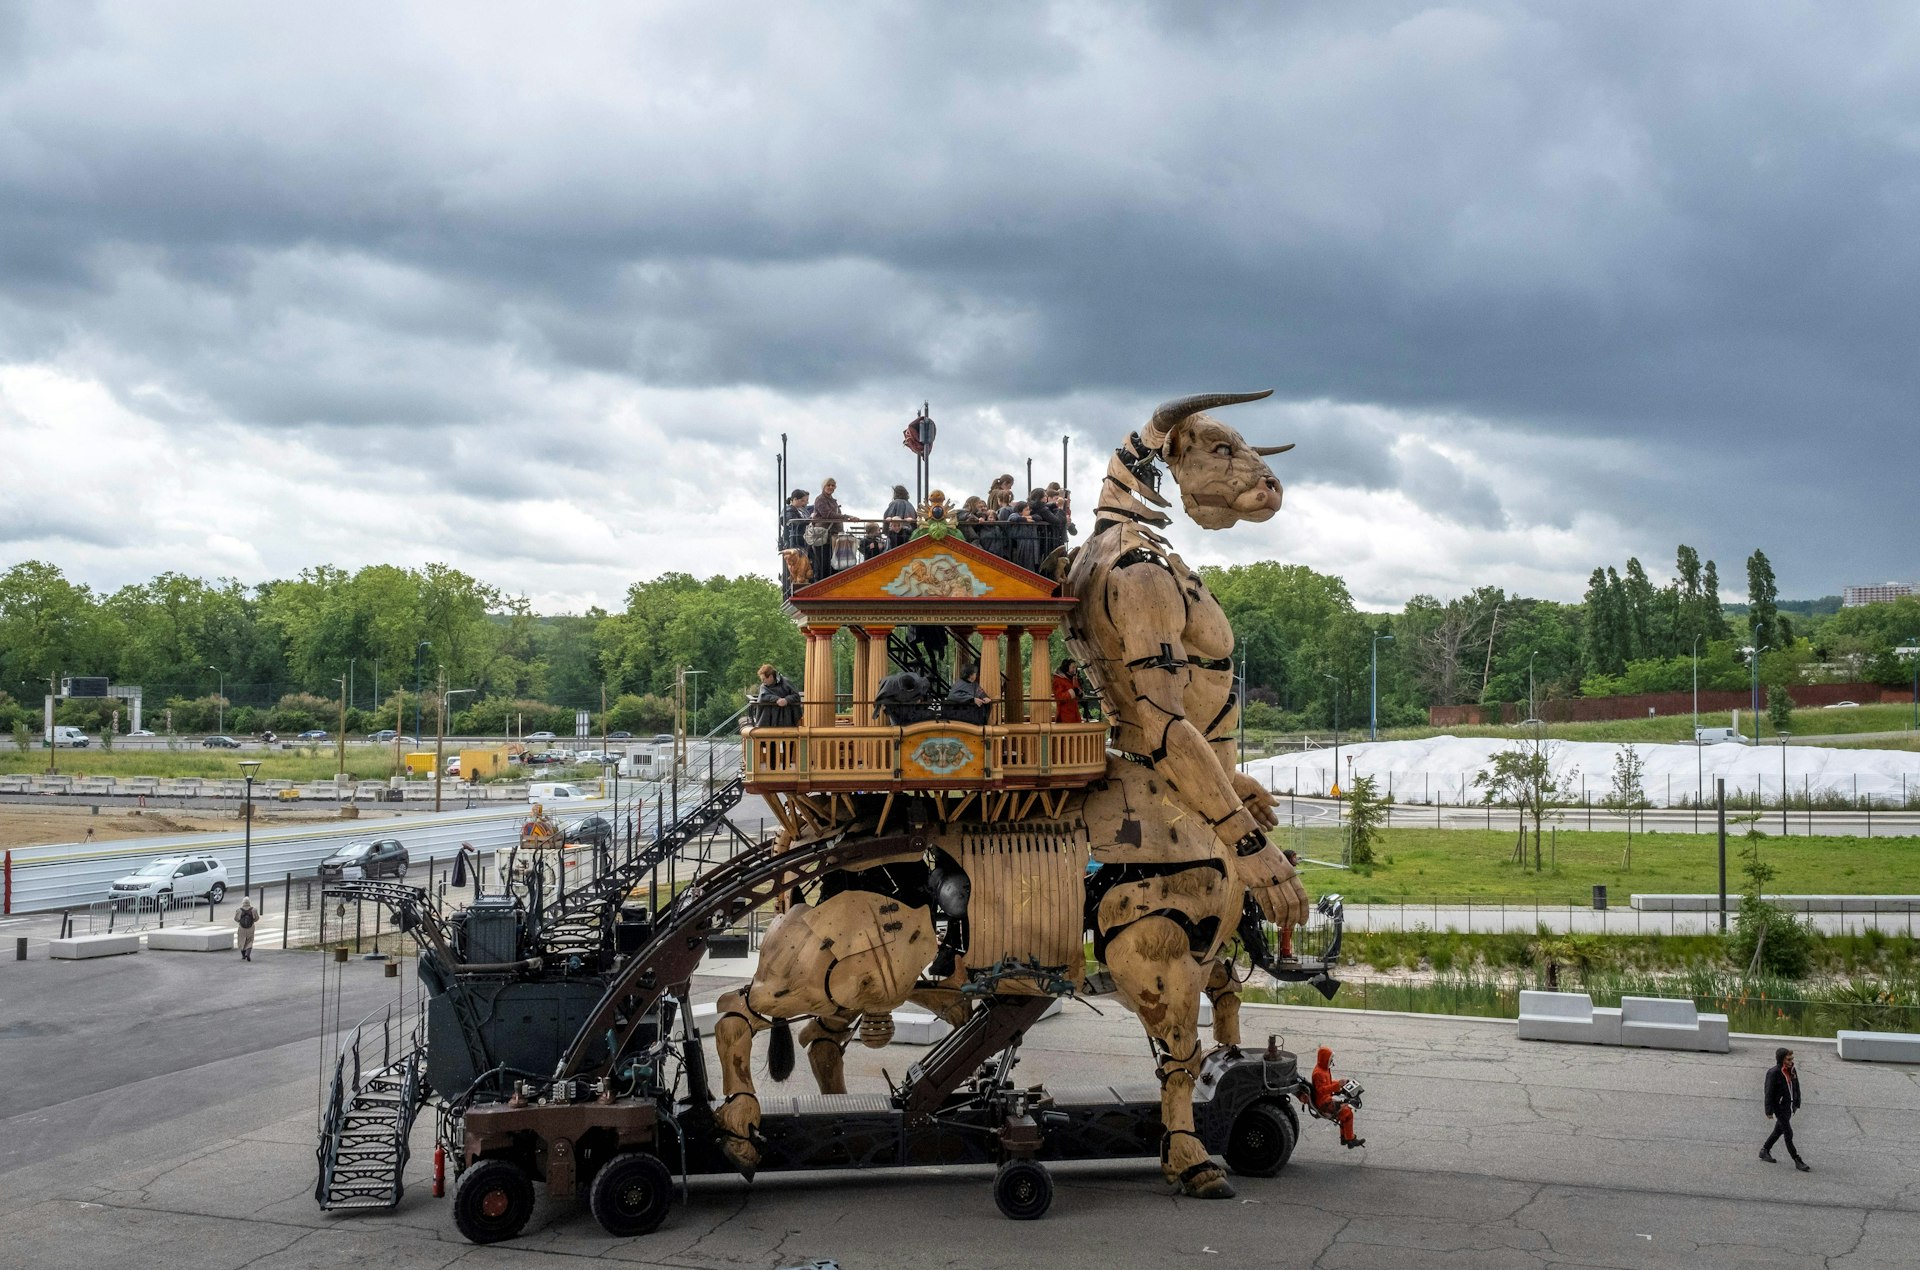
1151 613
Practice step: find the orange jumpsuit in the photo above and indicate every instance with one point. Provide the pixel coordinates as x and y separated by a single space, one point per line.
1324 1089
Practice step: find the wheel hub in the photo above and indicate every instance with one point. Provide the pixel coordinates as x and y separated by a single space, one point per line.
494 1204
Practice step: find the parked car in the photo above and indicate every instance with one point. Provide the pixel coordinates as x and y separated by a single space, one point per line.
312 734
385 858
555 756
599 757
384 734
594 830
220 743
1717 736
174 878
539 736
556 792
453 767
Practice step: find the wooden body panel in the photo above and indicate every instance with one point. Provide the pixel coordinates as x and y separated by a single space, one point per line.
924 756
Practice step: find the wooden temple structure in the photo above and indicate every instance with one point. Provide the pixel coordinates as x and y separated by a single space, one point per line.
1020 757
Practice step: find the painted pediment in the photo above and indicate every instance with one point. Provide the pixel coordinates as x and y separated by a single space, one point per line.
930 568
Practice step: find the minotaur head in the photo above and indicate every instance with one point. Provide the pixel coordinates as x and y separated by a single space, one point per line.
1222 479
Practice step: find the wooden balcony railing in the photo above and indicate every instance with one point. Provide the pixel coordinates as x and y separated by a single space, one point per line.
931 755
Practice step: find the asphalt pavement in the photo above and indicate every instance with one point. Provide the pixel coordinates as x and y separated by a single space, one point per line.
159 1111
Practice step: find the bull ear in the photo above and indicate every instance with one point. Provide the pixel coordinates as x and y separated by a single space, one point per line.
1268 451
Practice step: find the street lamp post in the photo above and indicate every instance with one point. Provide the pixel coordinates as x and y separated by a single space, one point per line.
1699 760
1783 783
249 766
1373 705
221 707
1531 713
440 739
1336 726
1753 660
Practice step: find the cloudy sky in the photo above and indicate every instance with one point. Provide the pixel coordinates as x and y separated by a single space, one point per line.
535 289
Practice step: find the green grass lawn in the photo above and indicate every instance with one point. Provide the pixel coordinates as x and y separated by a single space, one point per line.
309 763
1421 863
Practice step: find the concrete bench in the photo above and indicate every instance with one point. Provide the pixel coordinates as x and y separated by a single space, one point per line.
1667 1023
196 938
1880 1047
1567 1016
82 947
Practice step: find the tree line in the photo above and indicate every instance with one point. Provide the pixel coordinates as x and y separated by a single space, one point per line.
381 640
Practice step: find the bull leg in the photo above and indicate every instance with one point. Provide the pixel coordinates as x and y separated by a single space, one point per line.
825 1040
1223 990
858 953
738 1117
1156 975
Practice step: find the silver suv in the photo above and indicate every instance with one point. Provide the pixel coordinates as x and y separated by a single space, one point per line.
175 877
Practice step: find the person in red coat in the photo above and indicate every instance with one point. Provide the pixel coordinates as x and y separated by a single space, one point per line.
1328 1102
1066 693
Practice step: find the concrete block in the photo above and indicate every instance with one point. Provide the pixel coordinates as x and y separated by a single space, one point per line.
1880 1047
82 947
1557 1016
196 938
1606 1025
914 1027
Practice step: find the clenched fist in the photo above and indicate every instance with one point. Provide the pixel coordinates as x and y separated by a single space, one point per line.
1274 885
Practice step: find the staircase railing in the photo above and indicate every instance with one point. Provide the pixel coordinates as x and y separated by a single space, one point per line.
371 1105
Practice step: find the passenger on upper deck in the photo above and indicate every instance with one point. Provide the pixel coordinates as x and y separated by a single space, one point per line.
826 521
777 704
1066 693
899 516
966 703
793 520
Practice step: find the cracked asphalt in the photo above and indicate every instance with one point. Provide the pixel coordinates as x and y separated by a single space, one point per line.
159 1111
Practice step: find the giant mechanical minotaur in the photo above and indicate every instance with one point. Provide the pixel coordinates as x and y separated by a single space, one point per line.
1176 831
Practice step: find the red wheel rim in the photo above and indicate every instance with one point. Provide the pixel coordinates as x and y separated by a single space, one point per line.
495 1203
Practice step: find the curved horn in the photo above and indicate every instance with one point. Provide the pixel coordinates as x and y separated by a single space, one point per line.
1267 451
1171 414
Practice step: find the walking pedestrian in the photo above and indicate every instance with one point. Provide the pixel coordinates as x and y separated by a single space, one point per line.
246 919
1783 1099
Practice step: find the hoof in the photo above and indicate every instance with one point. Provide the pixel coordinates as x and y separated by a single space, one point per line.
742 1155
1209 1184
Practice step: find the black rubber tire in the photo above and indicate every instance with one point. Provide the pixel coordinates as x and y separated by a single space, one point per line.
400 869
493 1201
218 893
1023 1189
631 1195
1261 1142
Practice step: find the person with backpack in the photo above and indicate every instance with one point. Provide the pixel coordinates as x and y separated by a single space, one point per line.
1782 1097
246 919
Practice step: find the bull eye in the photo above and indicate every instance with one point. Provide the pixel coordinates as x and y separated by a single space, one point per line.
1224 450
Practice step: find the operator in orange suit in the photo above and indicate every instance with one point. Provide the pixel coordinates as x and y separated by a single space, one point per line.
1327 1101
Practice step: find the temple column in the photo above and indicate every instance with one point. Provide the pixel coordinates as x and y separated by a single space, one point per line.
862 693
1040 683
876 667
818 690
1012 685
991 678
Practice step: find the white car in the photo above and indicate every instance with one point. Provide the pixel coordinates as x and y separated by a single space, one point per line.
538 736
140 732
174 877
1843 705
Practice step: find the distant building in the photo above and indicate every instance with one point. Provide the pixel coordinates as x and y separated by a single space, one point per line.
1854 596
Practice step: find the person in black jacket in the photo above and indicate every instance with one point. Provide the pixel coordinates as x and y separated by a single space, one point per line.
1783 1099
777 704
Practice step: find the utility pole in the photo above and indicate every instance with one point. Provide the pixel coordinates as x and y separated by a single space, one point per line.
340 742
416 688
440 735
1720 802
1373 709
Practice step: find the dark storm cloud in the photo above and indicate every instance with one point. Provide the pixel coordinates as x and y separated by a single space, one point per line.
1679 231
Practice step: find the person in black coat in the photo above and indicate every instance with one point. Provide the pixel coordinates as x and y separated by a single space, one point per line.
966 703
1783 1099
777 704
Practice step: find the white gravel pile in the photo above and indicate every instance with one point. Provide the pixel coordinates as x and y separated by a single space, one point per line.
1442 769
